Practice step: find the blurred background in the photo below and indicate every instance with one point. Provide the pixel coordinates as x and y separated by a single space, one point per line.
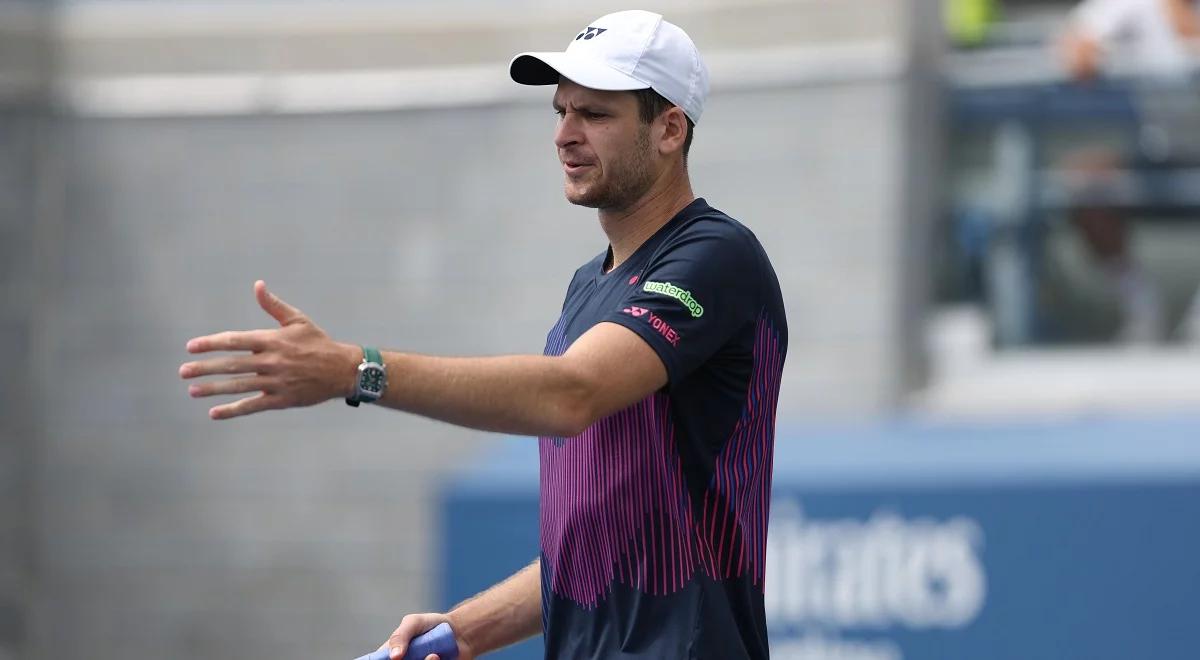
985 215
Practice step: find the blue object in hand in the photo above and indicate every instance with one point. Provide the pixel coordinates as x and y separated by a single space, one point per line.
439 640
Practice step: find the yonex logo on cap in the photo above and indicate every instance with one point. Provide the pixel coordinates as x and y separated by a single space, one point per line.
590 33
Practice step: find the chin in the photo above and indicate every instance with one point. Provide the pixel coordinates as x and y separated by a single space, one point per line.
581 196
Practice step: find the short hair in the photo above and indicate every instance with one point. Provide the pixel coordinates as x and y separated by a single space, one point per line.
651 104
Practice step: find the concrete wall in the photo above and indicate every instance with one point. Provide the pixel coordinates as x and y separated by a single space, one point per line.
23 64
158 533
18 434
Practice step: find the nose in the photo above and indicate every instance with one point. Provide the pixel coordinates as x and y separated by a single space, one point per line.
568 132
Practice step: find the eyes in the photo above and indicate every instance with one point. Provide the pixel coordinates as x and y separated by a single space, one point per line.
588 114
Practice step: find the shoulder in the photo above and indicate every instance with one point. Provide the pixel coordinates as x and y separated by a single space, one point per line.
1104 18
714 235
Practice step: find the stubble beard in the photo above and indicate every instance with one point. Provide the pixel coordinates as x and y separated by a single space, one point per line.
628 179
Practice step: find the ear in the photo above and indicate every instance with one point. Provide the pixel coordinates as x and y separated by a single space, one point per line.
673 131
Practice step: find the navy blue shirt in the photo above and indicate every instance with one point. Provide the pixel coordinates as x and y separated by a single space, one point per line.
654 519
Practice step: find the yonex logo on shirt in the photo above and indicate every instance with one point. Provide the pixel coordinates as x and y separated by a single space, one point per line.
656 322
682 295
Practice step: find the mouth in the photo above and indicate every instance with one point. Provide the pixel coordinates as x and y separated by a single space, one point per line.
575 167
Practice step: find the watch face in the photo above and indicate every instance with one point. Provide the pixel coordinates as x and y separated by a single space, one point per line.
371 378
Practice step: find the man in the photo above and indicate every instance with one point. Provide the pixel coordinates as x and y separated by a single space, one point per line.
1152 36
655 398
1153 32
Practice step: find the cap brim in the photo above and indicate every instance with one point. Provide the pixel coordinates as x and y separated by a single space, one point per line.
545 69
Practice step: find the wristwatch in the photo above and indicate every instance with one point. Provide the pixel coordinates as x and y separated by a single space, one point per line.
372 378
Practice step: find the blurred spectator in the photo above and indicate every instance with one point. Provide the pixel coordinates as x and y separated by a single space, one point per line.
1155 32
1152 36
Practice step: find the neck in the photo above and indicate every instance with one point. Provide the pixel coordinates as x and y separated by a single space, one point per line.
629 227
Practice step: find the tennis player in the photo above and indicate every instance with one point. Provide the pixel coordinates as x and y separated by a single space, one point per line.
654 400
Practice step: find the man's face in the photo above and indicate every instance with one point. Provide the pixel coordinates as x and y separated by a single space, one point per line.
604 147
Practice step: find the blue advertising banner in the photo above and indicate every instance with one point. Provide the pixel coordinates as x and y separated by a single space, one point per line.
1075 539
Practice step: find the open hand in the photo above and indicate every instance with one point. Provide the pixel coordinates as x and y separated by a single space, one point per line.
294 365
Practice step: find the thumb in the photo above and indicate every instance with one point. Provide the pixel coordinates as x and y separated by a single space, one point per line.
273 305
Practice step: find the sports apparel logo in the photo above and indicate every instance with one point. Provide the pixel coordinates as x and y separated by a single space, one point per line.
682 295
657 322
590 33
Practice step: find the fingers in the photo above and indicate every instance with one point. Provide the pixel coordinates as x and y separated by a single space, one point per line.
250 340
233 340
411 626
282 312
229 386
247 406
233 364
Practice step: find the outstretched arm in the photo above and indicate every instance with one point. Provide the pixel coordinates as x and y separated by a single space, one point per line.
298 364
605 370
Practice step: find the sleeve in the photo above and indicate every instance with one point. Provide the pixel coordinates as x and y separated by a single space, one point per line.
693 296
1105 20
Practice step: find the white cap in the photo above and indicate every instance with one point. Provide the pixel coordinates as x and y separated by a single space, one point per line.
625 51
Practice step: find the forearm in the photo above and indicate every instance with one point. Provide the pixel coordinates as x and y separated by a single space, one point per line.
505 614
1184 18
521 394
1081 54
